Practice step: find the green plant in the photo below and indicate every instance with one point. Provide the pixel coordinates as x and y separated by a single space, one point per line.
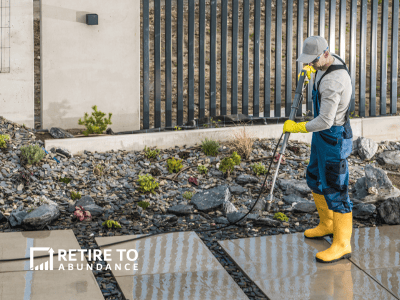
210 147
147 183
259 169
188 195
202 169
307 161
228 163
32 154
111 224
65 180
177 128
75 195
143 204
3 140
98 170
151 153
281 216
95 123
174 165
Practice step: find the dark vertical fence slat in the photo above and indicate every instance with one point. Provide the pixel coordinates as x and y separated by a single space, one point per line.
180 63
394 56
146 65
191 61
321 18
374 31
299 45
234 80
245 76
289 39
256 66
202 73
168 70
278 59
353 23
267 59
310 32
224 33
332 29
363 60
342 29
157 64
384 36
213 58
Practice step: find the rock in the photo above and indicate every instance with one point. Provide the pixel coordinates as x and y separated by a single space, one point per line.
293 198
221 220
169 218
260 204
17 216
237 190
294 186
356 146
181 209
64 152
367 148
228 207
363 211
235 216
244 179
211 199
59 133
3 219
390 159
88 204
216 173
390 211
360 187
305 207
41 216
265 221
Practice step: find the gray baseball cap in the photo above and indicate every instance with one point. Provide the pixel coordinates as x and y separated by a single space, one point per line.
313 47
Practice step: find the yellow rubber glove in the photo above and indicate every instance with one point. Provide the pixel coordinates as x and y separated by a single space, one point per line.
292 126
309 70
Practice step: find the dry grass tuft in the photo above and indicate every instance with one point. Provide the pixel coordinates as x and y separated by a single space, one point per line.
242 142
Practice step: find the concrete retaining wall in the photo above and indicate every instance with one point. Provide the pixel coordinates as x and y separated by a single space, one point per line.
84 65
378 129
16 87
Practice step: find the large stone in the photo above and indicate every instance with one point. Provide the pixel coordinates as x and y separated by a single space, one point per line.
88 204
390 211
390 159
181 209
360 188
59 133
211 199
293 186
244 179
292 198
221 220
41 216
363 211
228 207
17 216
305 207
237 190
367 148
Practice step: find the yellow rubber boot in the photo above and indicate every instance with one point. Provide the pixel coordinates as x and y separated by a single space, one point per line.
341 247
325 226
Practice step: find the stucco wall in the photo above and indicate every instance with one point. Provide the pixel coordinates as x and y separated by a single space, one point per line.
86 65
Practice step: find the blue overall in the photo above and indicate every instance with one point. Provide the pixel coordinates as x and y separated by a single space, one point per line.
328 173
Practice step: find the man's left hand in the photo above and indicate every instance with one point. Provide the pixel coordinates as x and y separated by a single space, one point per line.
292 126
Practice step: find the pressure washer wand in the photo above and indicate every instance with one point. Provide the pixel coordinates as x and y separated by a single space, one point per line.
298 97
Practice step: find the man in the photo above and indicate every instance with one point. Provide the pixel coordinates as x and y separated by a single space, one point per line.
327 173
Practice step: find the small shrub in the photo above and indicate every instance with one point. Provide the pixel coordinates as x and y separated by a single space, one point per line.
75 195
281 217
65 180
193 180
111 224
210 147
147 183
242 143
81 214
25 177
151 153
202 169
96 123
32 154
188 195
174 165
143 204
307 161
98 170
259 169
228 163
3 140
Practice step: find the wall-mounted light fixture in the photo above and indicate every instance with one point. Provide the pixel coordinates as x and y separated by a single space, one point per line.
92 19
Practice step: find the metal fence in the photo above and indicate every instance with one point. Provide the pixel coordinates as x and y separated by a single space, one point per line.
358 32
